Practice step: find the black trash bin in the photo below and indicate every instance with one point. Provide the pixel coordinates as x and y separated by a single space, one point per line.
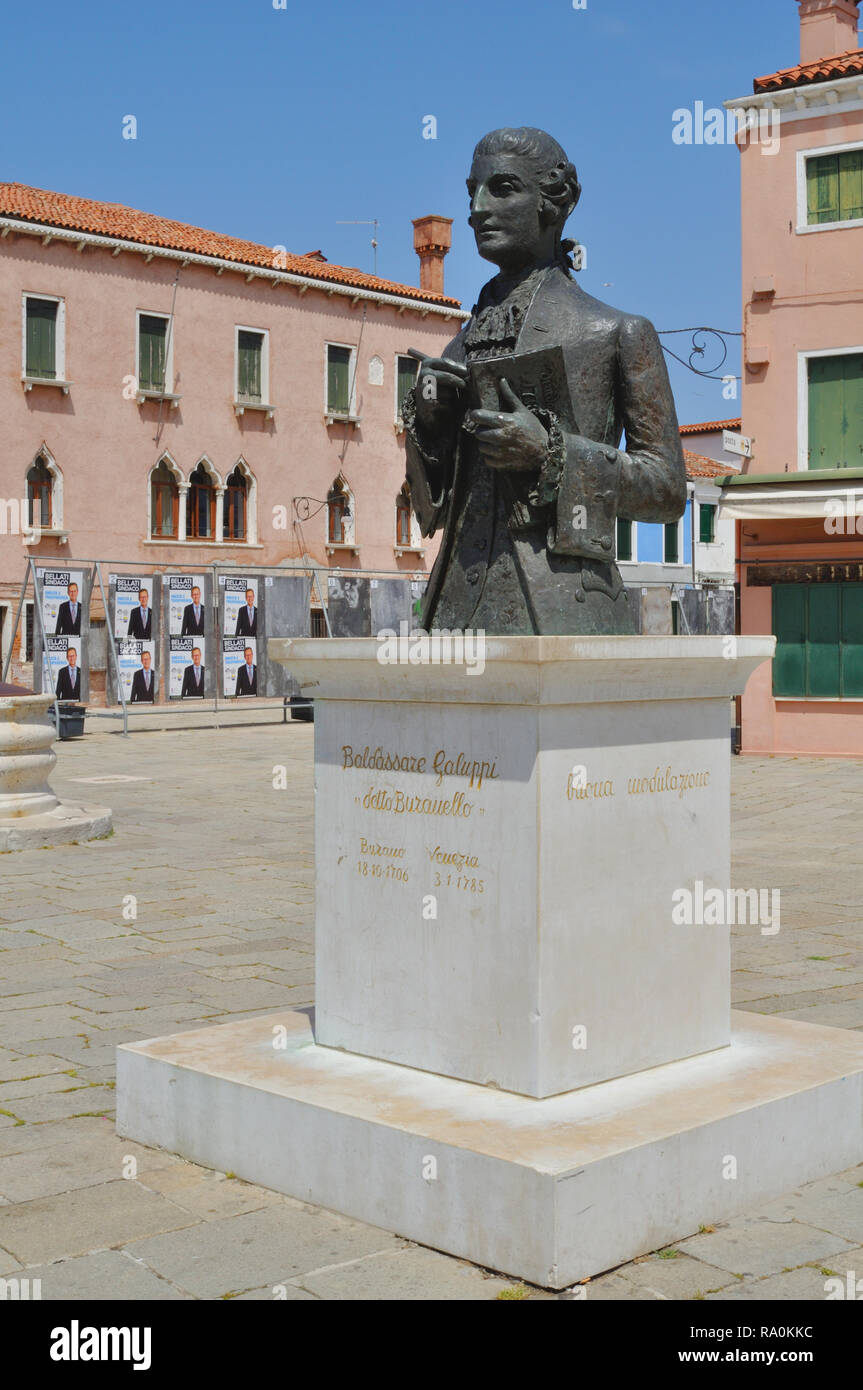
71 719
302 708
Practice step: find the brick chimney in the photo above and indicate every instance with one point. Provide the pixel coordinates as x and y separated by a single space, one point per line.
432 240
827 28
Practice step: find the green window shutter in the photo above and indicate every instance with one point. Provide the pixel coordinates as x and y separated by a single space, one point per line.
822 188
836 411
852 640
671 543
41 358
822 645
250 357
152 343
624 539
338 380
789 628
407 376
851 185
706 522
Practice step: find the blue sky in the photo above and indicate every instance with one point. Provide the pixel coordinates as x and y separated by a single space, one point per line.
275 124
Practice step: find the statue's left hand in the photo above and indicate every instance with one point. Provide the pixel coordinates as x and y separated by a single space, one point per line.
510 438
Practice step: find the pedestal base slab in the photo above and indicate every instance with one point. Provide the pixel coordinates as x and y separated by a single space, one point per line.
66 824
550 1191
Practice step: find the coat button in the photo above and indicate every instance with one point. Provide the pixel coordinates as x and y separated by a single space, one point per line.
471 576
611 455
605 542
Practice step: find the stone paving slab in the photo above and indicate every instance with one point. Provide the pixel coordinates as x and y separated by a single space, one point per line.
228 934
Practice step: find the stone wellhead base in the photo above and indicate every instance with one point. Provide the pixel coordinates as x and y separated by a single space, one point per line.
66 824
551 1191
31 816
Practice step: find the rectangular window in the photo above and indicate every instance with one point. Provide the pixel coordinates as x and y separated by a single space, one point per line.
819 641
707 522
406 376
152 352
318 623
834 187
29 644
250 365
338 379
624 540
41 338
836 411
671 543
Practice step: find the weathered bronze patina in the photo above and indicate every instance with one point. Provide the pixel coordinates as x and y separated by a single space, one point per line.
528 491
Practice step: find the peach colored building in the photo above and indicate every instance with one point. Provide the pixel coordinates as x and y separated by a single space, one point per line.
799 502
172 396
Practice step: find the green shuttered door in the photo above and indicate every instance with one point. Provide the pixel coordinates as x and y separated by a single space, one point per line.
250 351
819 641
152 337
836 411
338 384
42 338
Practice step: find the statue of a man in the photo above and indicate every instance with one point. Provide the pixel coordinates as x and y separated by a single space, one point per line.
529 507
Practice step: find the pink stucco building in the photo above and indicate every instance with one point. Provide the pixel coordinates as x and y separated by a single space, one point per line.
172 396
799 501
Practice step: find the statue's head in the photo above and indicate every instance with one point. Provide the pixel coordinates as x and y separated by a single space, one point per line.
522 189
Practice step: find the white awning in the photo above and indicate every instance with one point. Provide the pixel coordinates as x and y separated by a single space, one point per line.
784 503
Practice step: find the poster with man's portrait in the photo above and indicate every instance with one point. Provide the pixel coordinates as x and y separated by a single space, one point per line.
187 605
62 602
187 668
138 676
240 607
134 607
239 667
62 671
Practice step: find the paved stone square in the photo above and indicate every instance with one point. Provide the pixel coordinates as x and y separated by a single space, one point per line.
199 909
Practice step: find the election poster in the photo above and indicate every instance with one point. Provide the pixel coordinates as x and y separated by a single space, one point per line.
239 606
133 607
61 672
62 594
138 676
187 605
186 668
239 666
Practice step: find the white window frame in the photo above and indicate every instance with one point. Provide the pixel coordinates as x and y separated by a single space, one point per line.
633 533
332 416
59 379
397 415
803 397
264 404
804 227
169 356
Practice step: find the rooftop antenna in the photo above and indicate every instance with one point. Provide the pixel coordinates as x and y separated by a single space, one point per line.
364 222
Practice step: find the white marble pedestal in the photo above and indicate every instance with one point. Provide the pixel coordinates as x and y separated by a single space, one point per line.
519 1055
31 816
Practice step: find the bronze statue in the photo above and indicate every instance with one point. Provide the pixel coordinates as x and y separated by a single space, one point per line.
528 487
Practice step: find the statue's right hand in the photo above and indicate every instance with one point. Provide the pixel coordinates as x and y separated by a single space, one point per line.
439 388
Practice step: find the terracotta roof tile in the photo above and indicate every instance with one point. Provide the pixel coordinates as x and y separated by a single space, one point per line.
824 70
711 425
115 220
699 466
